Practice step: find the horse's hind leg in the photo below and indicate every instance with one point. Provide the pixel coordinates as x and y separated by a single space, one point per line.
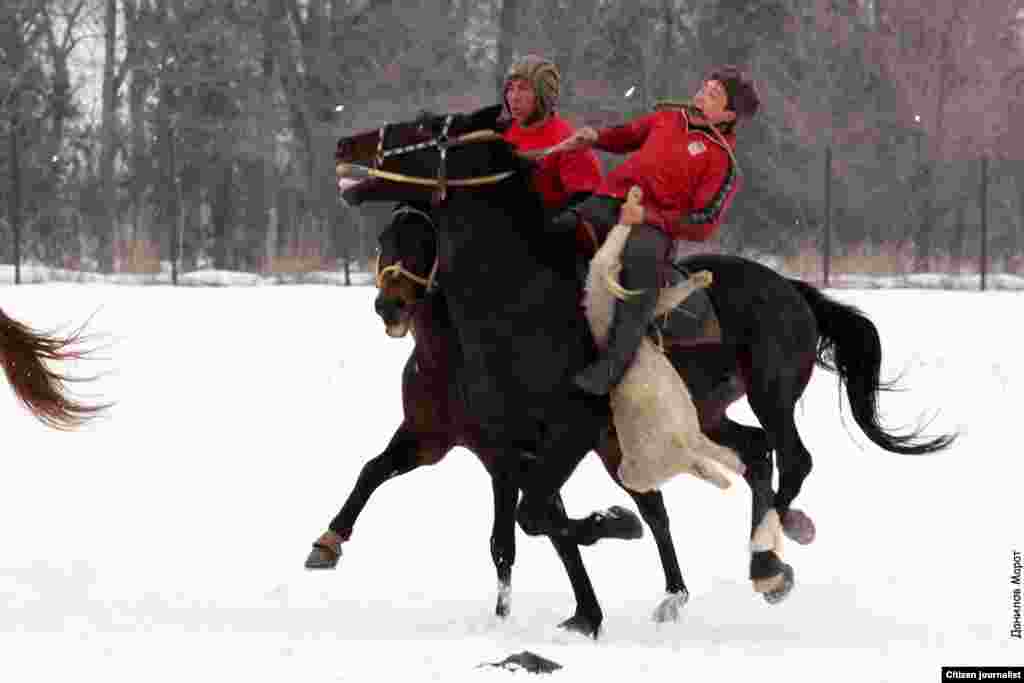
406 451
772 392
773 398
770 575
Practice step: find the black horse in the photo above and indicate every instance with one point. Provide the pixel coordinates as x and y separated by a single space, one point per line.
513 300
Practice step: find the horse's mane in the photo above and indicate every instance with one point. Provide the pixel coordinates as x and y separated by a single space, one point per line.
515 195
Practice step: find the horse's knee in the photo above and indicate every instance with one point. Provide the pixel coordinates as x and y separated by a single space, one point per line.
536 517
529 522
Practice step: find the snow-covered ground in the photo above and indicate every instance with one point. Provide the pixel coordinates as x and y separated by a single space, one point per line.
167 542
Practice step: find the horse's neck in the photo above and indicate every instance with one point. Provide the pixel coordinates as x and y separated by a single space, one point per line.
503 274
432 330
496 228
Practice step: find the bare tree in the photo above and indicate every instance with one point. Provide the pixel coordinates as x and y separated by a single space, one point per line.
948 70
108 141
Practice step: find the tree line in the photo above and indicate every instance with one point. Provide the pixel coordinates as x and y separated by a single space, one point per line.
138 134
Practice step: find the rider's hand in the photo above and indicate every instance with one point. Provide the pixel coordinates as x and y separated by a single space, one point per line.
584 137
631 214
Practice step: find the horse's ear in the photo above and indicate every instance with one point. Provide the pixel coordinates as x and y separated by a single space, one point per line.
490 118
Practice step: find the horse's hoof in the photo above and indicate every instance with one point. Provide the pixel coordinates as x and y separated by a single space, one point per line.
584 625
323 556
615 522
619 522
671 607
777 595
798 526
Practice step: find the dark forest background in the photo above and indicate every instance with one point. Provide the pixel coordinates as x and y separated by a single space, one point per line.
137 134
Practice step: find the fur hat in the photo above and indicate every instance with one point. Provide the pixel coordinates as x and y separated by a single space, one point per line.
741 93
543 75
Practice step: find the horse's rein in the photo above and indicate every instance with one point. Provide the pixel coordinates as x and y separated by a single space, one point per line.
396 269
345 170
443 144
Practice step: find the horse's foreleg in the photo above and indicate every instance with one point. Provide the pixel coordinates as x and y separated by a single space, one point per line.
544 475
406 451
588 615
503 536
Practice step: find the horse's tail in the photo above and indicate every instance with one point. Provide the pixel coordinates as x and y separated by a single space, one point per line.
849 345
24 353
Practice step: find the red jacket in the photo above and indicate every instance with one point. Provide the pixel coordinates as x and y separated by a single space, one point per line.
560 175
687 175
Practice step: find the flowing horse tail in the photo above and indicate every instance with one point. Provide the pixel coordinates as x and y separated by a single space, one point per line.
24 353
849 345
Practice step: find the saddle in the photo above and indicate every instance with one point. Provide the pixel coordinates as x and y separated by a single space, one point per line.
692 323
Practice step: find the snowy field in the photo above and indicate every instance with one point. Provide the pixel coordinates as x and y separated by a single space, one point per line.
167 542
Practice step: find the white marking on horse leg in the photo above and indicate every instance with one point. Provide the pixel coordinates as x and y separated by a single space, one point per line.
768 534
505 596
671 607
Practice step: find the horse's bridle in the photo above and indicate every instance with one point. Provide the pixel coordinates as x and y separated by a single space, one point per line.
443 143
396 269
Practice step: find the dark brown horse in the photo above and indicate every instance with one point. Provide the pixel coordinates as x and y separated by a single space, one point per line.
436 421
25 353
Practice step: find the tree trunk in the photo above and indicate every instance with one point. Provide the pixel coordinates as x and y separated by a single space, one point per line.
666 80
60 94
924 245
262 195
222 210
138 87
1017 170
107 231
14 208
956 246
508 28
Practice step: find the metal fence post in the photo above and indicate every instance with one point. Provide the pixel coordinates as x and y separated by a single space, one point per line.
983 205
827 242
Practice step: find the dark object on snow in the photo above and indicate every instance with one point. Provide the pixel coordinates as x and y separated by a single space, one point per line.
525 660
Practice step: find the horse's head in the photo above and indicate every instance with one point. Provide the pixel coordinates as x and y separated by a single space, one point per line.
406 267
423 159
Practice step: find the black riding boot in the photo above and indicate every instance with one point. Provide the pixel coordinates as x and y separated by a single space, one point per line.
629 325
644 250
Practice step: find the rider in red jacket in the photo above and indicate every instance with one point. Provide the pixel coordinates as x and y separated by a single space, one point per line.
682 158
531 92
685 170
